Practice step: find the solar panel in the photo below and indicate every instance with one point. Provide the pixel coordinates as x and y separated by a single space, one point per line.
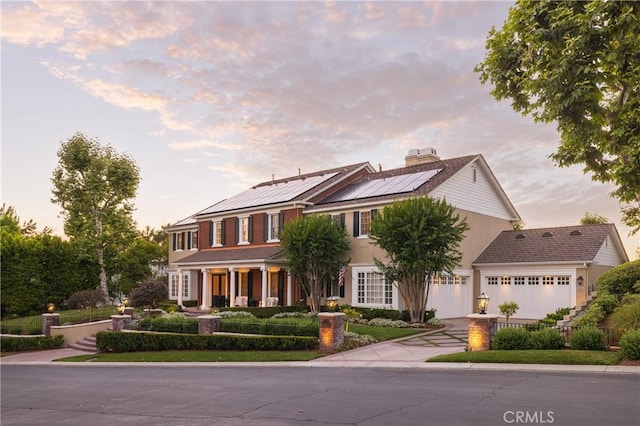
384 186
270 193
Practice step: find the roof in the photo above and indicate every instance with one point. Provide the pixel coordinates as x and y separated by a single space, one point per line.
234 254
427 177
300 188
580 243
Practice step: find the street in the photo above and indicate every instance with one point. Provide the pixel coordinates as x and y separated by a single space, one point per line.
206 395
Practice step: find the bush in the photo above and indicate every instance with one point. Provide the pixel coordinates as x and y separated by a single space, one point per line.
553 318
169 325
355 340
15 344
265 312
169 306
383 322
86 299
508 309
591 317
511 338
235 314
149 294
134 342
608 302
271 327
189 303
588 339
620 279
627 317
546 338
630 344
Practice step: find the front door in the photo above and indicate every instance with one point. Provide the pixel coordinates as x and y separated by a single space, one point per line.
219 287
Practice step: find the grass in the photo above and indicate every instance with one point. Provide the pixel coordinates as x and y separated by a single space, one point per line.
197 356
564 356
33 324
384 333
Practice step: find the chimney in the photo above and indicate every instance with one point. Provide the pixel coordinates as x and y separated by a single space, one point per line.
421 156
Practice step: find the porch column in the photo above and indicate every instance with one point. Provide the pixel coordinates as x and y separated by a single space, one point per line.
232 284
206 298
264 285
289 295
180 285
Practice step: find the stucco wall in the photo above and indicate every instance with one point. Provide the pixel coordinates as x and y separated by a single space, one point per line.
76 332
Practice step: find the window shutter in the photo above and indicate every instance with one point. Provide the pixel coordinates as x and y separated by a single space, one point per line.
250 226
223 233
281 223
237 230
356 224
210 233
189 237
265 219
374 213
175 239
183 238
341 219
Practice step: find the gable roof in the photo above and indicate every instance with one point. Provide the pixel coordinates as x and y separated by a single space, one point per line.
294 189
426 176
580 243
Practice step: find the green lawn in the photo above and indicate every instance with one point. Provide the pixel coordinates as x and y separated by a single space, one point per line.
33 324
384 333
197 356
564 356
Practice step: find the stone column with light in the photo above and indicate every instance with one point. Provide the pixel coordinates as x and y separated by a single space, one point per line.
49 320
480 329
120 322
331 330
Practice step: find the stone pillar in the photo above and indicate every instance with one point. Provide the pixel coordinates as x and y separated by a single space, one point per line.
208 324
289 289
49 320
480 328
206 298
331 330
129 311
264 285
232 287
120 322
180 286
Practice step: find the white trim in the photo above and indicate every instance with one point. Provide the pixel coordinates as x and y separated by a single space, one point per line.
355 270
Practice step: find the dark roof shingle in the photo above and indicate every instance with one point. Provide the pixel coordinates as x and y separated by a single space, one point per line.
228 255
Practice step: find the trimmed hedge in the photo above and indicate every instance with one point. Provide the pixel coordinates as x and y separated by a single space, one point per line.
546 338
169 325
630 344
189 303
588 339
15 344
511 339
270 328
135 342
267 312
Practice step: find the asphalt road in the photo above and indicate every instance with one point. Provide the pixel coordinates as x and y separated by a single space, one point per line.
178 395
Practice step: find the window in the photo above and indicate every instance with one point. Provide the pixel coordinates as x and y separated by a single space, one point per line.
192 237
533 280
518 280
216 232
178 241
505 280
547 280
492 280
338 218
243 230
362 222
563 280
372 289
448 279
273 223
174 286
185 286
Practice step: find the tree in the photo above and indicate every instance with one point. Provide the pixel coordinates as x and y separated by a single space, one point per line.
421 237
149 293
134 264
314 246
593 219
94 186
576 63
508 309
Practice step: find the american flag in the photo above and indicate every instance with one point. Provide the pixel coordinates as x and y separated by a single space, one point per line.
343 269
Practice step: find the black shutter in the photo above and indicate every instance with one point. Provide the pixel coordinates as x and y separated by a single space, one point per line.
189 237
183 238
265 218
280 224
250 226
341 289
237 230
223 233
249 285
374 213
356 224
341 219
175 241
237 277
210 233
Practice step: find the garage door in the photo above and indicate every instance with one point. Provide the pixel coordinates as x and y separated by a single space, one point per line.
451 296
536 296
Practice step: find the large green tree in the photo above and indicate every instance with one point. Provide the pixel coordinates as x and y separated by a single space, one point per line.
314 247
577 63
421 237
95 185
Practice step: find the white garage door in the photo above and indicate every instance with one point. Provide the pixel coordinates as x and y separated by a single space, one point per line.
451 296
536 296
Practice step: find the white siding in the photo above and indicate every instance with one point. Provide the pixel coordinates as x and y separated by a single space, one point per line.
452 300
608 255
480 196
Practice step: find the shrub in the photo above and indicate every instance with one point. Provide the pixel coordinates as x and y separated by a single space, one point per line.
295 315
508 309
169 325
608 302
434 321
135 342
620 279
383 322
15 344
546 338
588 339
149 294
235 314
553 318
86 299
169 306
511 338
627 317
630 344
355 340
271 327
628 299
591 317
189 303
265 312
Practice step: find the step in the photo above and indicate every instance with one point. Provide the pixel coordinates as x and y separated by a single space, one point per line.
83 347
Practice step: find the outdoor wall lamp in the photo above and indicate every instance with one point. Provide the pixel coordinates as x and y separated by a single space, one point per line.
51 308
483 303
121 308
125 302
580 281
332 301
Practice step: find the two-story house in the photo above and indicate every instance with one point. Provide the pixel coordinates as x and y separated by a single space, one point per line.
229 254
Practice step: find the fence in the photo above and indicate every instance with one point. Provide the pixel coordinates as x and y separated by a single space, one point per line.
612 335
22 326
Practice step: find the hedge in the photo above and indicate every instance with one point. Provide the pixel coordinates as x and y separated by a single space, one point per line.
14 344
267 312
135 342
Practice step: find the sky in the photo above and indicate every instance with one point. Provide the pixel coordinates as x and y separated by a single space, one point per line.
210 98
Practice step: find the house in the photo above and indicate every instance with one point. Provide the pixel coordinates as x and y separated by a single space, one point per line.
229 253
548 268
